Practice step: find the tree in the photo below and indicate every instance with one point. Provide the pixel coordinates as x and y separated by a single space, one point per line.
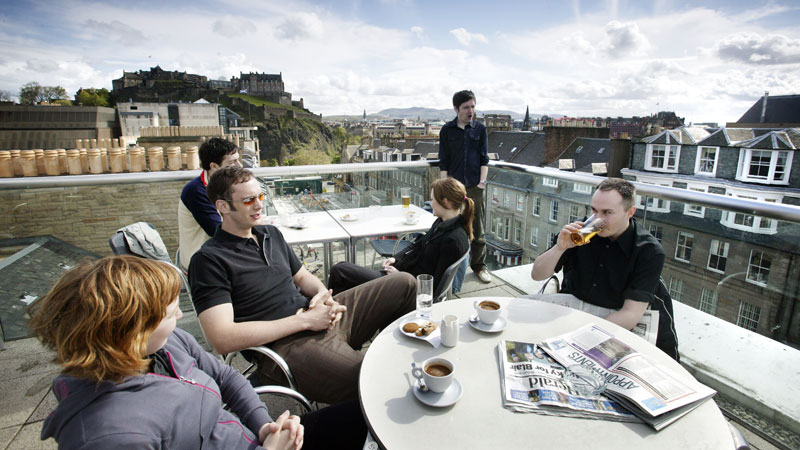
93 97
5 96
33 93
29 93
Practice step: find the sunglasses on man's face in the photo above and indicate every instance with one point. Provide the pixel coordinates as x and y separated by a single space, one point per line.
248 201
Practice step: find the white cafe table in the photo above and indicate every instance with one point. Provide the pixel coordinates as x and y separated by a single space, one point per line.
320 227
379 221
397 420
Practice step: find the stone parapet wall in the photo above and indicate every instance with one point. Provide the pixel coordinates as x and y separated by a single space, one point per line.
87 216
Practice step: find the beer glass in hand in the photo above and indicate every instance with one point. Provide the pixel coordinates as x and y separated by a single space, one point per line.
592 226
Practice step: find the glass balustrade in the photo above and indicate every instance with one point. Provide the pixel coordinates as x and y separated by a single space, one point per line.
737 265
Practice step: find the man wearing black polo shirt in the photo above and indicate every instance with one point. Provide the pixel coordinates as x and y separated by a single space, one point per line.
620 268
250 289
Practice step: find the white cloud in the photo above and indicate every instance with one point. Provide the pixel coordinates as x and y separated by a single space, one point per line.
300 26
624 39
115 30
230 26
466 38
752 48
419 32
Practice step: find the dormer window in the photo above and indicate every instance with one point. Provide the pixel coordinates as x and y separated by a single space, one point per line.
706 163
764 166
662 158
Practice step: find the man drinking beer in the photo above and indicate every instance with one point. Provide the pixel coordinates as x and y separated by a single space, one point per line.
619 268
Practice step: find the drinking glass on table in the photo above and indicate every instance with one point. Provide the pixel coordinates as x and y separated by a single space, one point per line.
424 295
405 197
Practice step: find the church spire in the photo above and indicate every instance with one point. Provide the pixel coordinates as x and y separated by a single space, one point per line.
526 124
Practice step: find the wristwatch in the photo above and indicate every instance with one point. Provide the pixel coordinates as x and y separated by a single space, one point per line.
482 182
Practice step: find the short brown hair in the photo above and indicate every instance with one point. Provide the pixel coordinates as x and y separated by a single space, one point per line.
456 194
215 150
624 187
99 315
462 97
220 185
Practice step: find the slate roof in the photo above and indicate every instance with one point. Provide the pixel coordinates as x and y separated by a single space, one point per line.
508 144
29 273
759 138
425 147
592 150
780 109
686 135
520 147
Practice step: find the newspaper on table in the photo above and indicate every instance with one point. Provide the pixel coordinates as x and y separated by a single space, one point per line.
646 328
533 382
655 394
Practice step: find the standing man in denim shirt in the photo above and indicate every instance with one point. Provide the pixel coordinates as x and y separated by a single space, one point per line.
463 155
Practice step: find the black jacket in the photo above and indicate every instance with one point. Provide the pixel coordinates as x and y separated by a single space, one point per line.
435 251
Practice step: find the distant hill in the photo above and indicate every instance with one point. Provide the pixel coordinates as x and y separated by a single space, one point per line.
427 114
441 114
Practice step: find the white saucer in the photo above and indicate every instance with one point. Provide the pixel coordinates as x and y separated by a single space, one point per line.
498 325
446 398
350 218
413 222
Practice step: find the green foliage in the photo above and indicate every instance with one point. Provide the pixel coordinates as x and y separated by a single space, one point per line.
258 101
93 97
354 140
309 157
33 93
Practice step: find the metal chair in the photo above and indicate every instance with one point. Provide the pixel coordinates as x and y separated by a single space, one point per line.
446 283
120 246
389 247
739 442
551 286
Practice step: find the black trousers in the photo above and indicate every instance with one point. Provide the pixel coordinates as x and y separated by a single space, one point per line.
345 275
337 426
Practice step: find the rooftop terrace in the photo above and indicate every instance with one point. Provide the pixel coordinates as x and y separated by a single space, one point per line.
53 221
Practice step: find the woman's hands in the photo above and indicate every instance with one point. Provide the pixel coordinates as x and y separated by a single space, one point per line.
388 265
286 433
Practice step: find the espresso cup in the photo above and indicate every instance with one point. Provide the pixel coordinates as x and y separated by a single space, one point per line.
437 373
488 310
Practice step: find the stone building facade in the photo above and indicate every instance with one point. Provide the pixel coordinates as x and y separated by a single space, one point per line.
742 268
24 127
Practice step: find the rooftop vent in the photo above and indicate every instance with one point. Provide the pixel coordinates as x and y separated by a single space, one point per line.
566 164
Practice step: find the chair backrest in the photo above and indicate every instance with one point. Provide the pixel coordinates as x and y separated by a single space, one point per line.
142 239
446 283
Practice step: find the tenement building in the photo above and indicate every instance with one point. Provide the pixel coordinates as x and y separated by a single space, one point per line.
739 267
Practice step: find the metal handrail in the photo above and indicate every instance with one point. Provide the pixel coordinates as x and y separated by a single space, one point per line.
766 209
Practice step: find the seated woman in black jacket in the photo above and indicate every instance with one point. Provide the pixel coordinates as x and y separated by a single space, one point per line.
432 253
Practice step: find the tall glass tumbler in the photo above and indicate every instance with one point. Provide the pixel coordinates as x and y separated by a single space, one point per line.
424 295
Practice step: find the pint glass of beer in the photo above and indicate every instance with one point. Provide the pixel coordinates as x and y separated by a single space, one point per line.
592 226
405 197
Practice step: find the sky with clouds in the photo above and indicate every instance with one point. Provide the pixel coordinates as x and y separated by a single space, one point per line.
707 61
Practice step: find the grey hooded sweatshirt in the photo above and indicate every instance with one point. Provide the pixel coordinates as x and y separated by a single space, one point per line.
153 411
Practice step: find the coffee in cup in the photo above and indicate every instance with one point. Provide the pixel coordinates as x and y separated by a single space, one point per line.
437 373
488 311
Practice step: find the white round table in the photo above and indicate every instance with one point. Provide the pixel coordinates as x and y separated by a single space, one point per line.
397 420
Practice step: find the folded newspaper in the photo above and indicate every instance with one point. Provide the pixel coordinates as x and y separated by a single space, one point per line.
534 382
653 393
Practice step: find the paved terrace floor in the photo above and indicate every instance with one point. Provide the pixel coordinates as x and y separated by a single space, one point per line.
27 372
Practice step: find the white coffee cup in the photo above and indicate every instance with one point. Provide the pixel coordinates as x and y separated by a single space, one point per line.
488 310
443 370
449 330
